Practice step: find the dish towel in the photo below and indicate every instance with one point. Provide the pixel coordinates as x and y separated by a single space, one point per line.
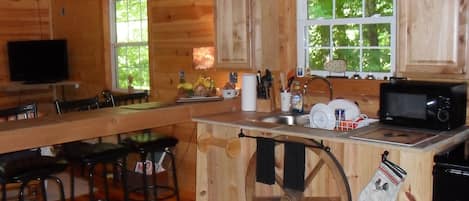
385 184
294 166
265 161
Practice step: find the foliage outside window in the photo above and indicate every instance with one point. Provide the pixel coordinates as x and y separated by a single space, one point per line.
361 32
130 44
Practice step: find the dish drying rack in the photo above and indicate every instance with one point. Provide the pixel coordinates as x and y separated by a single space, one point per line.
348 125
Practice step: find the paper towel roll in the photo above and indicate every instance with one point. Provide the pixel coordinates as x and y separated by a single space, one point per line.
248 92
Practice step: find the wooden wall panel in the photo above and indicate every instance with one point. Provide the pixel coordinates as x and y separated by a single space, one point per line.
22 20
81 23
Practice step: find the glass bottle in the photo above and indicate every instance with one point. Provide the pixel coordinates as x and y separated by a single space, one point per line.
181 77
297 98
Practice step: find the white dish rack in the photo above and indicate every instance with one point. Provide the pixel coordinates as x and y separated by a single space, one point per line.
348 125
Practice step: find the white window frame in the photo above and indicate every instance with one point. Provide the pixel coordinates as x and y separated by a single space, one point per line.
114 46
302 41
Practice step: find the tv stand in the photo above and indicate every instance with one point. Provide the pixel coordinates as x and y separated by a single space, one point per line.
21 86
39 82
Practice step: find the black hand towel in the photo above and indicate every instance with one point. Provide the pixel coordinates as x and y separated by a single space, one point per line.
265 161
294 167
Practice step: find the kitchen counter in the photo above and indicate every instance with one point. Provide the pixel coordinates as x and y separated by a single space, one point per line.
224 159
250 121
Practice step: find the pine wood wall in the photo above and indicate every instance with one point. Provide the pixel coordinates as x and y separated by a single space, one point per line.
22 20
176 26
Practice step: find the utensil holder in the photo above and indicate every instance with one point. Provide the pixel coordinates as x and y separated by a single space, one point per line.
264 105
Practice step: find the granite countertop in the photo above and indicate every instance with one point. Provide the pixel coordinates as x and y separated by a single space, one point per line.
250 121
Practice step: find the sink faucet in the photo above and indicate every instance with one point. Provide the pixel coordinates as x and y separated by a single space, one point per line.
314 77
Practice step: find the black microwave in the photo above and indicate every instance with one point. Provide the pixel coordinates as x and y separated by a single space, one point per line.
423 104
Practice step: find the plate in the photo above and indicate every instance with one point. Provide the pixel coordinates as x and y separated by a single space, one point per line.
351 109
321 116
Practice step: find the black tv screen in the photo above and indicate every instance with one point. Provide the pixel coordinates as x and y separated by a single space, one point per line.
38 61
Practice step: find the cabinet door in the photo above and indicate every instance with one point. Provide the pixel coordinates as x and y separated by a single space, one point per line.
232 34
432 40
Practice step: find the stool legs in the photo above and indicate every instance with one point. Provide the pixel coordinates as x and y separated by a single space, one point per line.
143 156
155 190
4 192
91 181
124 179
175 179
106 187
43 188
72 183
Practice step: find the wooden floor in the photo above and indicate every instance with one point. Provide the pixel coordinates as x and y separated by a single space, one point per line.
116 192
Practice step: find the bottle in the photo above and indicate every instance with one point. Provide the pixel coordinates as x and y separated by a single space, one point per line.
296 98
181 77
300 71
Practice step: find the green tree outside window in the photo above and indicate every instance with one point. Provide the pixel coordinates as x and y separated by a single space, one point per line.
357 31
131 44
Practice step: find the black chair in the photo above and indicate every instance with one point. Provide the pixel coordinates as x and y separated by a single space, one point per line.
91 154
28 165
147 143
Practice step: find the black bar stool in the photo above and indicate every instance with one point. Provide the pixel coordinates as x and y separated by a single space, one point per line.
147 143
28 165
90 154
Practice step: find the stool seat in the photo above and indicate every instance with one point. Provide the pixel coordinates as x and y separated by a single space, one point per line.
150 142
28 168
94 153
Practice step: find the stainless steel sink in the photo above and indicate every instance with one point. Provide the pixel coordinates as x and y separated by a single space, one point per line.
287 119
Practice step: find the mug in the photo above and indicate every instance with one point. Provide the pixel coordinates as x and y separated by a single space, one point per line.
229 93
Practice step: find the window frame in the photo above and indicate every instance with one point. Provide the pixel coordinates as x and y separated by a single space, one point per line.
114 45
302 40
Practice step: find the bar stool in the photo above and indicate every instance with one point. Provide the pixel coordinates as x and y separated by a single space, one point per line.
28 165
148 143
90 154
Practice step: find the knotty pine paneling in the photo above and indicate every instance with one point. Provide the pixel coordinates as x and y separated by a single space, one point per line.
22 20
82 24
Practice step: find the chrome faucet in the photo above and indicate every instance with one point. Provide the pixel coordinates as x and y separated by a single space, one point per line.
314 77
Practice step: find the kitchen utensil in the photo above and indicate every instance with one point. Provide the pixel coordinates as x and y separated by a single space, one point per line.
269 79
282 81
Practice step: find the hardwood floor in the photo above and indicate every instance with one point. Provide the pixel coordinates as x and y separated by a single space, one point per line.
116 192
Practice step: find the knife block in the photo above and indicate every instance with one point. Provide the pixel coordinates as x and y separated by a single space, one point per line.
265 105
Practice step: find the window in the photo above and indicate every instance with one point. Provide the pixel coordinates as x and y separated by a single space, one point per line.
130 44
361 32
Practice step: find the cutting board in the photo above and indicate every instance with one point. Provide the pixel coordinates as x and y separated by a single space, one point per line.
198 99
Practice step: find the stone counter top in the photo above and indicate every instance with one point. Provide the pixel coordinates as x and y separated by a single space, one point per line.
250 121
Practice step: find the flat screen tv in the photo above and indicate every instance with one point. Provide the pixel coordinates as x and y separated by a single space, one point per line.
38 61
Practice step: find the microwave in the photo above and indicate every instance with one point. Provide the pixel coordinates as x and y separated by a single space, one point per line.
423 104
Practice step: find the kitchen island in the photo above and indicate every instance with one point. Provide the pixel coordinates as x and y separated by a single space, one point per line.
224 159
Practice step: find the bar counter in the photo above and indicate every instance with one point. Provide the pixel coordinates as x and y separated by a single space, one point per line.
56 129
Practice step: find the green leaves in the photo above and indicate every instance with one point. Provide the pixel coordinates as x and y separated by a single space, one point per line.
132 57
351 30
